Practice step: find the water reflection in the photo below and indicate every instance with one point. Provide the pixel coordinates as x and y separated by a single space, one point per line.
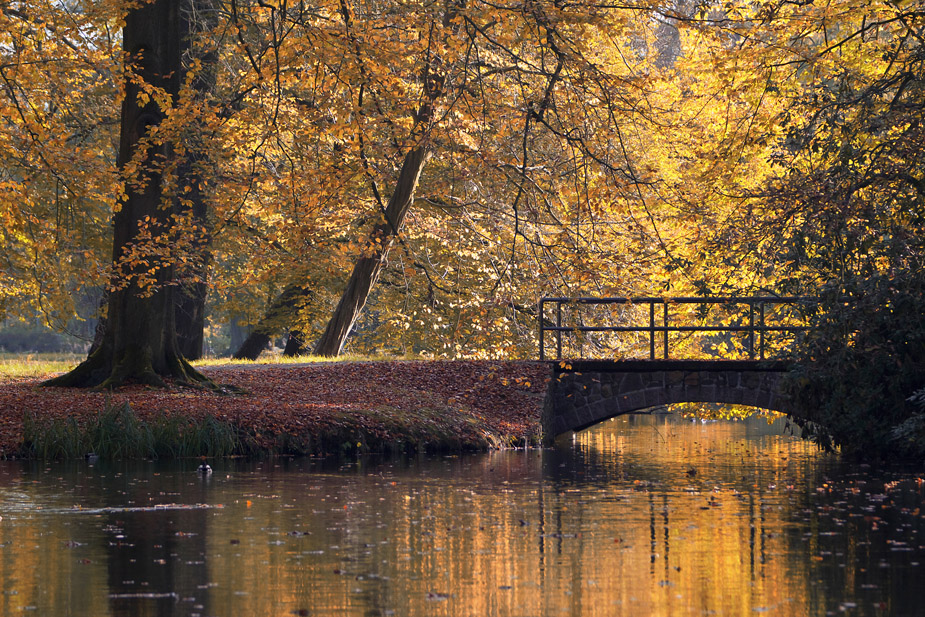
644 515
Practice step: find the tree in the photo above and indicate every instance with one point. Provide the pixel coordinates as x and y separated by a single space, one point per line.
277 316
857 187
521 117
195 173
57 160
140 343
838 209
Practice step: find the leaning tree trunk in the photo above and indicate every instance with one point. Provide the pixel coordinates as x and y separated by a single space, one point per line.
140 343
369 264
274 322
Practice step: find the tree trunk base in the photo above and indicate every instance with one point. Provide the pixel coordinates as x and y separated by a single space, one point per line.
252 346
98 373
295 345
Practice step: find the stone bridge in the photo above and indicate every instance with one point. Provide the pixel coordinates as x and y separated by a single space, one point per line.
583 393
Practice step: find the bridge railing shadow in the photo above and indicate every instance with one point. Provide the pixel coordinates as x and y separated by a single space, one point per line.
671 328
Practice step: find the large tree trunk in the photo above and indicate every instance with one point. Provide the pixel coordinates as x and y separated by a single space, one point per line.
369 264
140 343
191 317
195 176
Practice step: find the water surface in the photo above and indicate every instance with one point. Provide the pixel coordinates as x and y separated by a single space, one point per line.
643 515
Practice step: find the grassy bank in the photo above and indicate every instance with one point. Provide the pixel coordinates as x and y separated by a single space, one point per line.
316 409
118 433
17 366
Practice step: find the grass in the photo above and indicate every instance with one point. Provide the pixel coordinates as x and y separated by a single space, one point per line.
36 365
118 433
14 366
279 359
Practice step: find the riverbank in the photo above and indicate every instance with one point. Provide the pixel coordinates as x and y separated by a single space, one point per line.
311 409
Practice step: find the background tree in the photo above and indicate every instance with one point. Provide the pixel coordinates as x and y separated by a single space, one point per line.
58 119
532 140
196 171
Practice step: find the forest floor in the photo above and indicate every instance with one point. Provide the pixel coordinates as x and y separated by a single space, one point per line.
317 409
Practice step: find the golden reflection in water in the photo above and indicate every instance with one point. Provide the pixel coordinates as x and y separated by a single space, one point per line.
717 504
643 517
660 542
38 569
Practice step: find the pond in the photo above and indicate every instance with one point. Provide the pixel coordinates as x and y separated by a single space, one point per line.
642 515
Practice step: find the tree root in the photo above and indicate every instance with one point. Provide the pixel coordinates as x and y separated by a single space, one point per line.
97 374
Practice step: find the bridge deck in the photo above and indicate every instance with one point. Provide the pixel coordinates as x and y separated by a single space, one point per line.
645 366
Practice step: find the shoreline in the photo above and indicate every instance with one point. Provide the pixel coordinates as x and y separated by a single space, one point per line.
313 409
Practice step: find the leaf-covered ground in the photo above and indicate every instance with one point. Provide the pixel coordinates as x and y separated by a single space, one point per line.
319 408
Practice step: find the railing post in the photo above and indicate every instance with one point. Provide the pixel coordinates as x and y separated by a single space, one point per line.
761 330
665 323
559 332
542 329
651 330
751 330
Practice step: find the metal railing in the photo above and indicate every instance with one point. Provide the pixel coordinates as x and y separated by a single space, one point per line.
746 318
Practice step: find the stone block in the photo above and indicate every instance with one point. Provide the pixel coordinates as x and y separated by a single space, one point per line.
630 382
600 411
672 397
574 420
559 425
636 400
655 396
709 393
560 402
774 403
765 399
750 380
593 394
736 396
693 394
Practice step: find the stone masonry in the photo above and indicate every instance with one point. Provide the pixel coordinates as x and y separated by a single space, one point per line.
581 394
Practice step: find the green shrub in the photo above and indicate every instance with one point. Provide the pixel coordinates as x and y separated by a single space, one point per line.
860 368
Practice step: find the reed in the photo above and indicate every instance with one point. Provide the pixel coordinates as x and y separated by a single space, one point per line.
118 433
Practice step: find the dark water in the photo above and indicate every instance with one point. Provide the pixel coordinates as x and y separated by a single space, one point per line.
642 516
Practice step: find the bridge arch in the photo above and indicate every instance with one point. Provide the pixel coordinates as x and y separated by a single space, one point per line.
582 394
